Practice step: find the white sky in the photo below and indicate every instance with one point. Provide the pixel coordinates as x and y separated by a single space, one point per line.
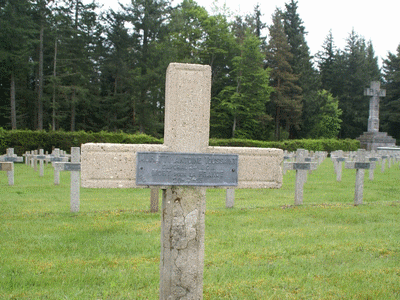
376 21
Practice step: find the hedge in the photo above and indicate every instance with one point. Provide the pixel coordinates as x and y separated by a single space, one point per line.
26 140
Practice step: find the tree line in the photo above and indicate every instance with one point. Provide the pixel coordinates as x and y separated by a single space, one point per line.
66 65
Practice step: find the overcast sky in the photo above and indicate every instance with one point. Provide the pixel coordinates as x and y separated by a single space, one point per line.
376 21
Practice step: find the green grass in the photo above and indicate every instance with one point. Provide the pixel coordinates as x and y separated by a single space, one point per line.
264 248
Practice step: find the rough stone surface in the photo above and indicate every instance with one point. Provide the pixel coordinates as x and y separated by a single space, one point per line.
182 252
154 199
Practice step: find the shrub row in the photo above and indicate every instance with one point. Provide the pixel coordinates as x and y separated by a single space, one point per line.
292 145
26 140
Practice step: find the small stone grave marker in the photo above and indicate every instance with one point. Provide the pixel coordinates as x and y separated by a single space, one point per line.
360 165
10 157
301 167
337 158
74 167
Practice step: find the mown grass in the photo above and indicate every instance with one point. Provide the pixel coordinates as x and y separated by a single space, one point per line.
264 248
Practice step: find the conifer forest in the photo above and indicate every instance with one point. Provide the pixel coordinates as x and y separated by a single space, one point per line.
67 65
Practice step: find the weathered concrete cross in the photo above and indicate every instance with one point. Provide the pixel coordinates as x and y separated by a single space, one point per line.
375 92
8 164
302 167
74 167
360 165
186 130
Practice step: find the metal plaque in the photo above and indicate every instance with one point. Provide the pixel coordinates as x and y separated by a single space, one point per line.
6 166
340 159
189 169
373 159
13 159
72 167
360 165
56 159
40 157
308 159
301 166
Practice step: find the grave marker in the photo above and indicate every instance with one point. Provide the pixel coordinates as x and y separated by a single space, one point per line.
301 167
41 157
360 165
186 130
74 167
10 157
373 138
337 158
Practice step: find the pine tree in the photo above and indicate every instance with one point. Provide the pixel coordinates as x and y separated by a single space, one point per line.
16 44
148 19
245 101
390 105
116 107
358 72
301 64
326 62
285 101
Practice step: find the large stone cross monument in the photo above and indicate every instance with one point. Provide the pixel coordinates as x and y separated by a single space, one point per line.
187 116
373 139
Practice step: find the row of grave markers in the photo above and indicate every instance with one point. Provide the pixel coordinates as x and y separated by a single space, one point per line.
360 160
60 161
304 162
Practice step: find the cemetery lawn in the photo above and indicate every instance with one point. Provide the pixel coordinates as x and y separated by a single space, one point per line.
264 248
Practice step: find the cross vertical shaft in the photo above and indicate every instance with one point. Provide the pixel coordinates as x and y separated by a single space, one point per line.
187 117
375 92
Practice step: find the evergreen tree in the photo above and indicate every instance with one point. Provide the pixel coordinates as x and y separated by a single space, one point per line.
187 32
77 66
285 100
16 44
358 73
390 105
244 102
324 120
326 62
301 64
148 19
116 106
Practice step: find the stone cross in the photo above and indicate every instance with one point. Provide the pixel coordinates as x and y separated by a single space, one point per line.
10 157
41 158
74 167
186 130
372 157
301 167
360 165
54 158
375 92
337 158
